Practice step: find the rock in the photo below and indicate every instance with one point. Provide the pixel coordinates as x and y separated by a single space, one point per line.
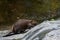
53 35
39 32
2 33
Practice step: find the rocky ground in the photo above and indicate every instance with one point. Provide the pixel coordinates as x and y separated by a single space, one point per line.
47 30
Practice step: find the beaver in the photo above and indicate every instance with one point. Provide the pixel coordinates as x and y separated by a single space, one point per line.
21 25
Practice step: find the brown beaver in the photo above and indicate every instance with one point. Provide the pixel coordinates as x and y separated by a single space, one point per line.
21 25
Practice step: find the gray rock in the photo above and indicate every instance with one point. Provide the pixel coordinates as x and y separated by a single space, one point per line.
17 36
53 35
39 32
2 33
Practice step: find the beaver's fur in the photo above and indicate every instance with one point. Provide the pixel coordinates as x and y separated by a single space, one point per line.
21 25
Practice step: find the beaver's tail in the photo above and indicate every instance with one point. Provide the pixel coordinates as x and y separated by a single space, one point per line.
9 34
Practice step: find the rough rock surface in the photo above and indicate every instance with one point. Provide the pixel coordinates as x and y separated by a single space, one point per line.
17 36
53 35
47 30
39 32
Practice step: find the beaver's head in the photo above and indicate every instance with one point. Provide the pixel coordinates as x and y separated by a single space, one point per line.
32 23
